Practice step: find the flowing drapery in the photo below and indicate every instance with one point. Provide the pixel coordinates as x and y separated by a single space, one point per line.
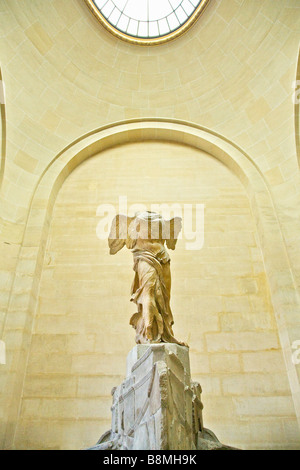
151 293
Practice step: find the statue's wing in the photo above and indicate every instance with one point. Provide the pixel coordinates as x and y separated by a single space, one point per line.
173 229
118 235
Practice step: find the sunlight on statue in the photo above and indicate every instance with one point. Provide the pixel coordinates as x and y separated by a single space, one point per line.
145 235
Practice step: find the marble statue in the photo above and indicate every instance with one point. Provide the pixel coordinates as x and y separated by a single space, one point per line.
157 406
146 235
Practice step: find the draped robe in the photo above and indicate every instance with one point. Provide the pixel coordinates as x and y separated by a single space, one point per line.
151 286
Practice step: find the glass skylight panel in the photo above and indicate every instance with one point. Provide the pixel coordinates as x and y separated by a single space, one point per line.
147 18
133 27
175 3
123 23
108 8
173 21
158 9
153 29
137 10
115 16
120 4
163 27
181 15
188 7
100 3
143 29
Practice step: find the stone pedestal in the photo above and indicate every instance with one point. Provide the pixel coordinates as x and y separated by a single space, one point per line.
157 407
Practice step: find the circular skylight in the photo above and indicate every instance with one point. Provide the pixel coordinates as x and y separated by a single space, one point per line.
147 20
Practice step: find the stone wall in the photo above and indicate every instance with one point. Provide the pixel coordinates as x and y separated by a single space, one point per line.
220 300
64 75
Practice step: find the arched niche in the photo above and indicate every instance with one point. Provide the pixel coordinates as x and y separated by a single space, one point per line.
276 263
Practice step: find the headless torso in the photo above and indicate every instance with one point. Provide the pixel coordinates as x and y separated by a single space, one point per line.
146 235
151 287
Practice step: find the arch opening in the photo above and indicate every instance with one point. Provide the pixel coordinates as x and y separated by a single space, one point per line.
195 137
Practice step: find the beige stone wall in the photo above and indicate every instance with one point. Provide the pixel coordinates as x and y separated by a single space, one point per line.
233 73
220 300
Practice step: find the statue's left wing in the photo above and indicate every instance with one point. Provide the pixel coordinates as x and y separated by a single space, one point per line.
118 235
173 228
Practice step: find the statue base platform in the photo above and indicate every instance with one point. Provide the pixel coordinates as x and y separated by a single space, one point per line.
158 407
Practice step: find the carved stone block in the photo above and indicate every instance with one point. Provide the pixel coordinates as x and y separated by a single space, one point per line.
158 407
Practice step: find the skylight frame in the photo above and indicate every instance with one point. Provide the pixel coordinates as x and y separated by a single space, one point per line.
148 41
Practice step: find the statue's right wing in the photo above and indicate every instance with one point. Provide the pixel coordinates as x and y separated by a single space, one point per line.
173 227
118 235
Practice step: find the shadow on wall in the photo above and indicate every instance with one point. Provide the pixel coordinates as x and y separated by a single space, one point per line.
3 127
297 109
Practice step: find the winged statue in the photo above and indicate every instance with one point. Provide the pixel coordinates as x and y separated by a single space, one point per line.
147 234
